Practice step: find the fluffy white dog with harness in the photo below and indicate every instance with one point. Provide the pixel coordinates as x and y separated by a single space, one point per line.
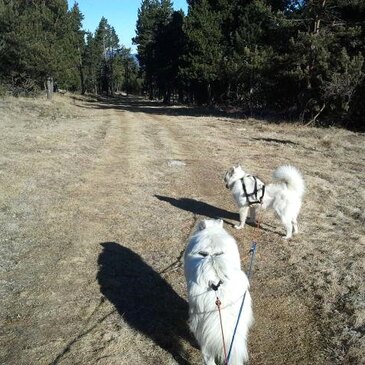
284 195
213 268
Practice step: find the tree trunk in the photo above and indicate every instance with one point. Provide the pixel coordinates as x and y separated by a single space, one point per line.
180 98
111 77
126 72
167 97
82 77
49 88
82 80
317 20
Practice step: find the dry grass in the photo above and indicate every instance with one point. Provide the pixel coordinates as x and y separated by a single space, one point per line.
95 213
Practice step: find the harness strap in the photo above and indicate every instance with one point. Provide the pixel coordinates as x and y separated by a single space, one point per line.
244 189
255 191
263 193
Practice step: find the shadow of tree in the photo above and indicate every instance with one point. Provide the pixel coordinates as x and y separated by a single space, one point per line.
141 105
144 299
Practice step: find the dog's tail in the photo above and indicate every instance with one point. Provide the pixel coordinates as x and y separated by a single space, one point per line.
292 178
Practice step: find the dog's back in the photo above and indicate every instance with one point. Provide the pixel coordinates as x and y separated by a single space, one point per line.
212 262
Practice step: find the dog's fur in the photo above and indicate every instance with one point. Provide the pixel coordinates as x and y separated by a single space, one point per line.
284 196
212 257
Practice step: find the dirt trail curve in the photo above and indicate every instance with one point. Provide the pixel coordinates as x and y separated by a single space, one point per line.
95 215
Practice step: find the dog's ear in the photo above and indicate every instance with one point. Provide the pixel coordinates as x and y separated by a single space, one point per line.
202 225
220 222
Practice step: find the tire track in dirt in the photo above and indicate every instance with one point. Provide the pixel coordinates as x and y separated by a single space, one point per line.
123 186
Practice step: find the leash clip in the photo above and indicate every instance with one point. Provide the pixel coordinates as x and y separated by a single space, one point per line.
253 247
215 287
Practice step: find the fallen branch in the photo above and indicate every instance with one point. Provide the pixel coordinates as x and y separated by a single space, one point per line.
316 116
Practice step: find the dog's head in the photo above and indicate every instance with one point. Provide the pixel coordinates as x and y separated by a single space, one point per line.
211 255
233 174
200 245
210 223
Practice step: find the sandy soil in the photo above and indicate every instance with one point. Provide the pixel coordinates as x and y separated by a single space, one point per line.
98 199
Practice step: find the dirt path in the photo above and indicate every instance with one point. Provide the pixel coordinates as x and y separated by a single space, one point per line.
98 204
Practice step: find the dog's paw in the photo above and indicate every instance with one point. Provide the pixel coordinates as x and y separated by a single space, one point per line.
286 238
238 226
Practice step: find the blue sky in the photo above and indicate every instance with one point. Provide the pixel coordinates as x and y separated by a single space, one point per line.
121 14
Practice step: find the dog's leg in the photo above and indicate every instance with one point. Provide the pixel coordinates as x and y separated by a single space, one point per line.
295 226
252 218
243 215
288 226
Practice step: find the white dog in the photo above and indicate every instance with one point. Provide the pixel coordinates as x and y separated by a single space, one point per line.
212 268
284 195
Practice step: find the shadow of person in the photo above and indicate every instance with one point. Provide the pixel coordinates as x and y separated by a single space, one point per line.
199 207
144 299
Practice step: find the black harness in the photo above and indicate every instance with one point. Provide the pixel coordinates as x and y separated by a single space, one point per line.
253 198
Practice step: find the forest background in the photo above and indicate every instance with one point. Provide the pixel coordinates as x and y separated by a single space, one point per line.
296 59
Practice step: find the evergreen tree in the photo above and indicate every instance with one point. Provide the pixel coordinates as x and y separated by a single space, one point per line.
251 53
153 18
323 64
43 39
105 43
39 40
131 83
145 28
106 65
76 46
204 53
91 63
169 45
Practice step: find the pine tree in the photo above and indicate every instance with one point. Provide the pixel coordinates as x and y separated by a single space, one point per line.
251 53
131 83
91 63
39 40
323 64
145 28
107 66
204 51
153 18
100 55
169 45
75 47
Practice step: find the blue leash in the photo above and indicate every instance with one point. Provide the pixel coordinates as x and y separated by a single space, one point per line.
253 252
